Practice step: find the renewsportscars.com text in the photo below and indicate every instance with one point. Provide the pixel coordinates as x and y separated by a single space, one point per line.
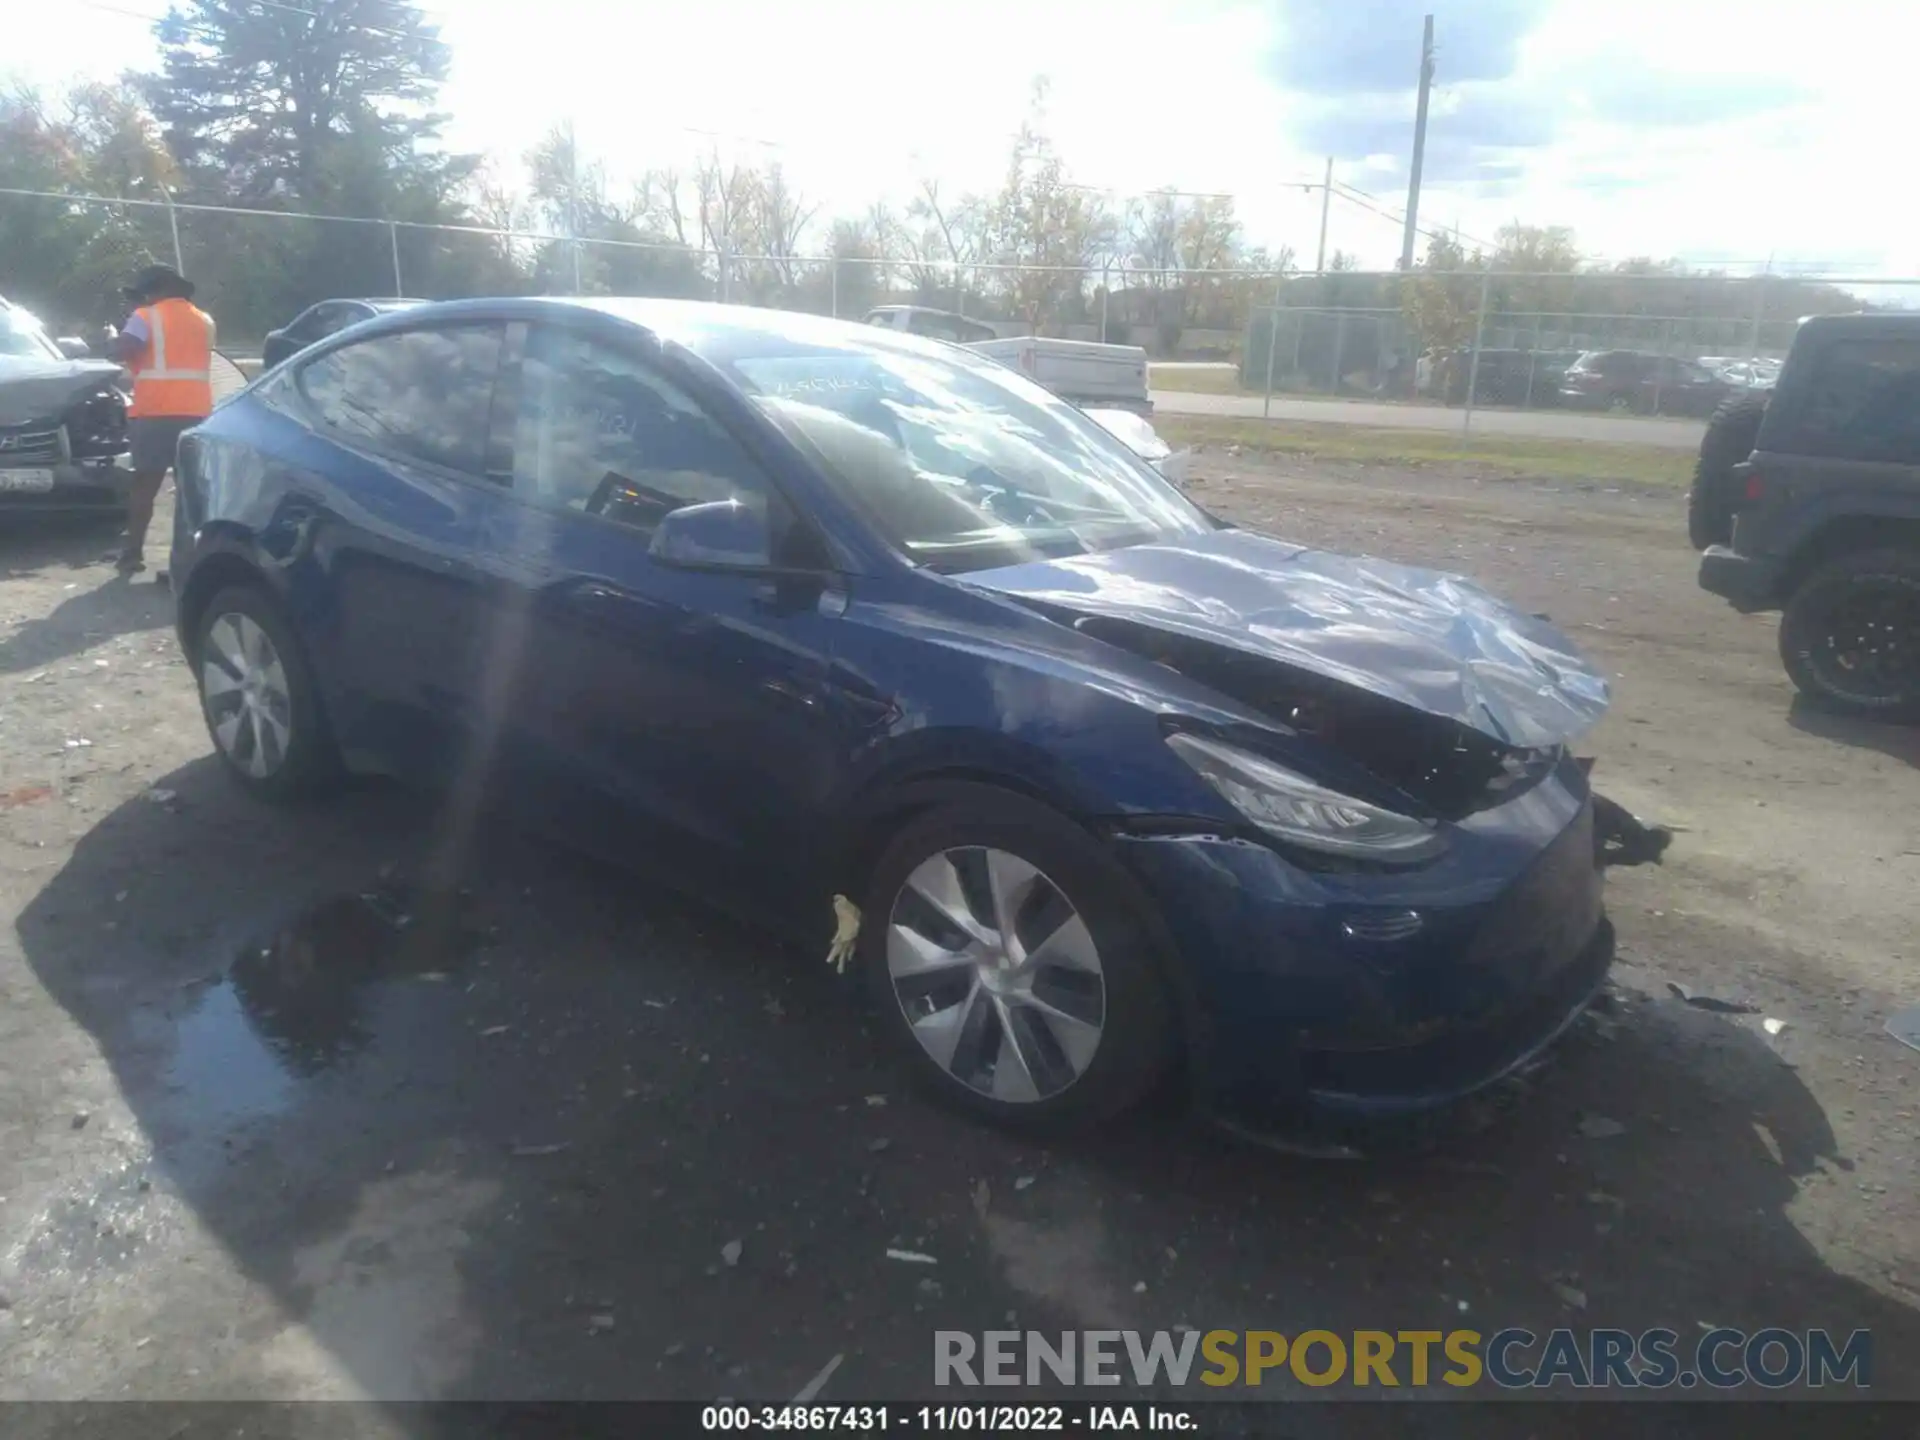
1511 1359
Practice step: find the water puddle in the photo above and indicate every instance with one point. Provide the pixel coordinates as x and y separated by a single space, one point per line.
298 1002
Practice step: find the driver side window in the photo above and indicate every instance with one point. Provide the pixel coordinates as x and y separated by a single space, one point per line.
598 433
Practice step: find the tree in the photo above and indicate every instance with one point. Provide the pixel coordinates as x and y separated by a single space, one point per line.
255 96
66 260
1438 305
1041 221
328 107
612 247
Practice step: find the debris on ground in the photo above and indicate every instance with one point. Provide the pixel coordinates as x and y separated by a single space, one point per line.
1710 1002
1773 1026
876 1101
1599 1127
25 795
930 1288
597 1323
162 797
1621 838
911 1257
1570 1295
1905 1027
80 744
846 933
982 1198
730 1253
526 1150
1022 1182
494 1030
812 1388
80 1120
880 1146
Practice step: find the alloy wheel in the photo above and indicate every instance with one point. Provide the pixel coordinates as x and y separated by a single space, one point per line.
244 688
997 974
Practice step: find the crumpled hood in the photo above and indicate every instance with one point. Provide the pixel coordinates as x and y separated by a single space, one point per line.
1429 640
33 389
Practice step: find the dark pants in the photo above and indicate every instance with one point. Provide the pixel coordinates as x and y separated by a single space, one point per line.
153 441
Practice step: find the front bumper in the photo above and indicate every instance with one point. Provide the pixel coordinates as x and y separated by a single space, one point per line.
1372 995
64 487
1750 584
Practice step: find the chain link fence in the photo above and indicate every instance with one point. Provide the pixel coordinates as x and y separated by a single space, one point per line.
1645 341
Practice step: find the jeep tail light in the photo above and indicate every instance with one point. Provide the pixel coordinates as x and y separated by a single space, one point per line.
1756 487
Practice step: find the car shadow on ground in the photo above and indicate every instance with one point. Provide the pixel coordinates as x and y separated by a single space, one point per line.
85 618
568 1137
1901 742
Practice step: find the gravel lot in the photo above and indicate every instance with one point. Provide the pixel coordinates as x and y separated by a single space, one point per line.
511 1152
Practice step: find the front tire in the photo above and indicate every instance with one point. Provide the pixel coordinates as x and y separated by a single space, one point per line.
1011 968
1850 635
259 699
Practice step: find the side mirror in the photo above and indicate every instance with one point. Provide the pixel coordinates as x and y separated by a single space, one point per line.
73 347
716 534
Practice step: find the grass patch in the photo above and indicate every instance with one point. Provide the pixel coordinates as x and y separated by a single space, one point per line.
1517 456
1224 381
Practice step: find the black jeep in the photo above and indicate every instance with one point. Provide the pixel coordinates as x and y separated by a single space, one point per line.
1807 501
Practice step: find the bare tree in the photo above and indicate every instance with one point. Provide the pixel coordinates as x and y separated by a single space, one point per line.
723 198
1054 230
661 204
779 217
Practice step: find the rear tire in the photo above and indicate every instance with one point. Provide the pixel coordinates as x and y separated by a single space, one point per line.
259 698
1102 1038
1731 435
1850 635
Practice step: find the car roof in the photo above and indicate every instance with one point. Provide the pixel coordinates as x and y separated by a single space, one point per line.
1862 326
705 327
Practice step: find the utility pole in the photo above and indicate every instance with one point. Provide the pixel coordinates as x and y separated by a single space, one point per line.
1419 146
1326 200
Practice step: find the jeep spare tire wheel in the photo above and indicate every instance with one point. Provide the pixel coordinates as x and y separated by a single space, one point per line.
1850 635
1731 435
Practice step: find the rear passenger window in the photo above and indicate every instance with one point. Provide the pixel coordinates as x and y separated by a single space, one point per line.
599 433
1863 402
425 394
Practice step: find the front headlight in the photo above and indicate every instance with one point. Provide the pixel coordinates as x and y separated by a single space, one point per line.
1293 808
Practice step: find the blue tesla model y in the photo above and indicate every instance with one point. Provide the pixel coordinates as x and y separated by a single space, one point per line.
788 609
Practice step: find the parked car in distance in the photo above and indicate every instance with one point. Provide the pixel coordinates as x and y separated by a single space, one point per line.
1509 377
1749 374
316 322
63 422
791 609
1641 383
1806 500
1083 371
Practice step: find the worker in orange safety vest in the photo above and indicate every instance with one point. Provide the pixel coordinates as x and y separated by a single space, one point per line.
167 344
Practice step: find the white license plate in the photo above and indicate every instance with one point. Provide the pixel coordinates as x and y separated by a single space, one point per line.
32 482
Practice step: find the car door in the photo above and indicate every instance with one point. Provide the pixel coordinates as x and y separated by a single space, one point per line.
683 715
384 504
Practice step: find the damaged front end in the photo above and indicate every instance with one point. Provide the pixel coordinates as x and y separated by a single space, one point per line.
1450 700
63 436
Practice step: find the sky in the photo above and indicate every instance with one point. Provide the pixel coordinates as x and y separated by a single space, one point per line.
1721 133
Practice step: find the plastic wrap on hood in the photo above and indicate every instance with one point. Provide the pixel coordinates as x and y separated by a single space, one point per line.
1428 640
32 390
